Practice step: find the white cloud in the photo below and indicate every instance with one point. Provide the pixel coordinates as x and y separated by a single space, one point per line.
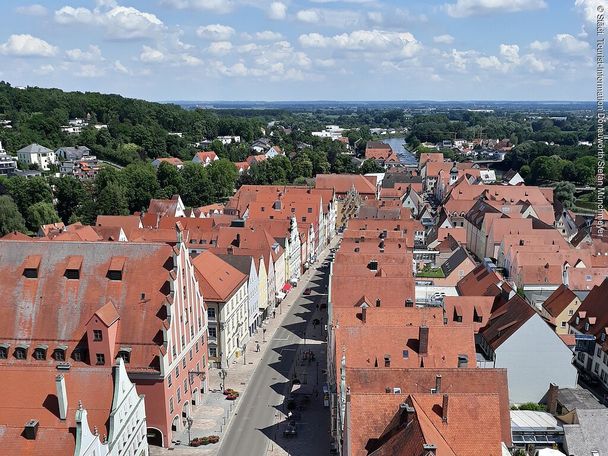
120 22
311 16
589 9
510 52
92 54
465 8
277 10
215 32
443 39
89 71
489 63
539 45
216 6
375 17
120 68
45 69
569 44
365 40
190 60
32 10
325 63
151 55
27 46
220 47
330 18
268 35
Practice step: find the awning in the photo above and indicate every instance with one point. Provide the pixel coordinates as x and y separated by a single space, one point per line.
286 287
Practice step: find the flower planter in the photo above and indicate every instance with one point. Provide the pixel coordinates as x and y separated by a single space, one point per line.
231 397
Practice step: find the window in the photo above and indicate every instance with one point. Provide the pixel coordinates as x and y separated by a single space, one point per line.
169 380
213 352
176 371
200 323
97 335
570 312
20 353
40 354
596 368
564 324
170 405
173 350
185 386
196 346
179 395
212 332
191 353
125 355
406 354
184 362
3 352
211 312
77 355
101 359
59 354
387 361
598 351
183 341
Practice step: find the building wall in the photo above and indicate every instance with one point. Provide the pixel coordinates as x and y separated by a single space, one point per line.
253 292
561 321
535 357
263 288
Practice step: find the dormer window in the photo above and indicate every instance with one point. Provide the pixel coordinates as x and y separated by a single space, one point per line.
125 354
378 302
387 360
59 353
586 326
578 320
72 270
116 267
4 351
31 266
603 337
40 352
21 351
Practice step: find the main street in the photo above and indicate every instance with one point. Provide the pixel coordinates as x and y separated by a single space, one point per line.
257 427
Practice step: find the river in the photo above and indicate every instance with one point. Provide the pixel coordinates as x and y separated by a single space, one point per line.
398 145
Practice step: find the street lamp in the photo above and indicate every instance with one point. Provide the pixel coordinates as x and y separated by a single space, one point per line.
189 422
244 353
223 374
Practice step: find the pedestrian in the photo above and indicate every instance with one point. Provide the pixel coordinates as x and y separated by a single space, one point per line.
274 313
257 347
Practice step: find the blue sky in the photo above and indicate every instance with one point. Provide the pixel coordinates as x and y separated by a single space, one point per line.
304 49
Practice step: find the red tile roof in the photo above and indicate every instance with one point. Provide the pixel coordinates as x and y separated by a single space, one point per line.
559 300
217 279
505 321
29 392
52 309
343 183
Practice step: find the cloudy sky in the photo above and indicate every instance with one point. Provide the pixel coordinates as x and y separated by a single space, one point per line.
304 49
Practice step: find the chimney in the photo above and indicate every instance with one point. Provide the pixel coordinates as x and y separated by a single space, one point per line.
62 396
407 413
31 429
429 450
552 398
444 409
437 384
364 307
423 340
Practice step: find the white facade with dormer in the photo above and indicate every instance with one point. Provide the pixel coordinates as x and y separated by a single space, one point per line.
127 422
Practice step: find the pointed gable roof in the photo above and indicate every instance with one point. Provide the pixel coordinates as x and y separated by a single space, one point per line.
108 314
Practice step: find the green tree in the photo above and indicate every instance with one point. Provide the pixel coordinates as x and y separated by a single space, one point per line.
112 200
223 176
170 180
70 194
370 166
564 192
26 192
41 213
302 167
197 190
10 217
141 185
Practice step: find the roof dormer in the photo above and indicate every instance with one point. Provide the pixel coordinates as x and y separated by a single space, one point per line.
31 266
72 270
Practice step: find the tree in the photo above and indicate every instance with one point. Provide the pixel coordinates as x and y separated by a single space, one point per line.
141 185
10 217
26 192
302 167
564 192
41 213
370 166
112 200
170 180
70 194
197 190
223 176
